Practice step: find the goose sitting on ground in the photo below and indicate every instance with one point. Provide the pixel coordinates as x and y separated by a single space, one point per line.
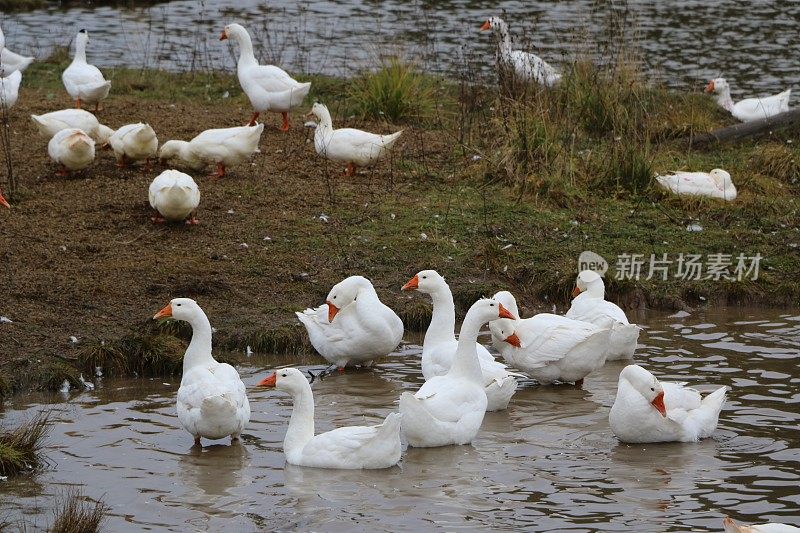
355 147
268 87
646 410
9 89
354 326
51 123
72 149
353 447
714 184
449 409
589 305
526 66
440 344
549 347
772 527
212 402
9 61
749 109
174 196
84 82
134 142
221 147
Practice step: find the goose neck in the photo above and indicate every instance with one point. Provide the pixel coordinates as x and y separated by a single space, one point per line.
80 50
246 55
466 364
443 317
301 423
199 350
724 99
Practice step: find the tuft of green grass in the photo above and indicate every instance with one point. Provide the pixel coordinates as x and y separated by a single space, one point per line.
20 447
395 91
778 161
53 374
142 354
415 314
286 339
75 513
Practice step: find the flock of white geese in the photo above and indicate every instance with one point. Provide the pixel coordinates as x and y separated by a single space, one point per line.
463 380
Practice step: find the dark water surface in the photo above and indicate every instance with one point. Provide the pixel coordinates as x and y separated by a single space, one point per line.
549 463
756 45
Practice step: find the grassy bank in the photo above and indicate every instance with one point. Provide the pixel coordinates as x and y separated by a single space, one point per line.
20 447
494 188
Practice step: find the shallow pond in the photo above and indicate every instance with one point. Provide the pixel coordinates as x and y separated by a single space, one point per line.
685 43
549 463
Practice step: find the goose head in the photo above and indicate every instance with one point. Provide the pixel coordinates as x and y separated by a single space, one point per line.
345 293
426 282
489 310
717 85
586 280
170 149
722 178
82 39
233 31
104 133
184 309
320 111
289 380
503 329
646 384
495 23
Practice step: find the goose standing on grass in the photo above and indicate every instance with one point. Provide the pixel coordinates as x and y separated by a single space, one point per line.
9 61
549 347
9 89
134 142
221 147
527 67
749 109
51 123
714 184
354 326
84 82
646 410
212 402
174 196
732 527
449 409
589 305
268 87
72 149
355 147
353 447
440 344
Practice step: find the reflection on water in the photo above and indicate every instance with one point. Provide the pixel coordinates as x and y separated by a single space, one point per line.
548 463
686 43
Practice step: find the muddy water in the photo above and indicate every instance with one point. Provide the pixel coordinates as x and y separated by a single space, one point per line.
549 463
753 44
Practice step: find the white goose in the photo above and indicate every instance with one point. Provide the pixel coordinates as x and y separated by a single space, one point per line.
527 66
9 61
221 147
354 326
646 410
349 145
84 82
549 347
714 184
589 305
772 527
268 87
449 409
354 447
749 109
212 402
134 142
72 149
51 123
174 196
9 89
440 344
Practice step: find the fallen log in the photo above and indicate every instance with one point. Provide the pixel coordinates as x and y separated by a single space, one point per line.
749 129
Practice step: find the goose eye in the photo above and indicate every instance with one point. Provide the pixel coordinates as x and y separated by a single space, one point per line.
652 389
283 375
334 297
491 305
178 305
424 277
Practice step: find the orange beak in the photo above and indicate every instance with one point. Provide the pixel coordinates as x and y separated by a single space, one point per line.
3 201
332 310
412 285
513 340
505 313
486 26
576 291
710 87
164 313
268 381
223 36
658 403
